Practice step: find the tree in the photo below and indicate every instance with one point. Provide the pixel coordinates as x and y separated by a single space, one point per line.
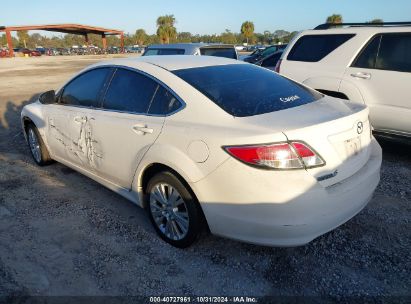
247 29
334 18
377 20
140 37
23 38
3 41
228 38
165 28
184 37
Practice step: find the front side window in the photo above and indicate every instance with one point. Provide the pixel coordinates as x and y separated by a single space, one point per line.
246 90
219 52
395 52
151 52
313 48
85 90
129 91
367 57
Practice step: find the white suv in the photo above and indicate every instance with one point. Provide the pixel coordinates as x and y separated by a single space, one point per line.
367 63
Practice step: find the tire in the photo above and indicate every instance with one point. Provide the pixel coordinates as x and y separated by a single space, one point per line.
169 218
37 147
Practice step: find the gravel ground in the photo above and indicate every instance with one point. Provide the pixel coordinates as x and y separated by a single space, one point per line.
63 234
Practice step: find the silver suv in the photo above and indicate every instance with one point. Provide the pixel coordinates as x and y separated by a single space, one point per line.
368 63
204 49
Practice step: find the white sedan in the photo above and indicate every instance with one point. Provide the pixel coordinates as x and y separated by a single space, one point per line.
211 143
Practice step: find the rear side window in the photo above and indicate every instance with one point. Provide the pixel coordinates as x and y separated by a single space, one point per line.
85 90
163 102
367 57
219 52
313 48
151 52
246 90
395 52
129 91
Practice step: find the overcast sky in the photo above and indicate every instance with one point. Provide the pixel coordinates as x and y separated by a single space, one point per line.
202 17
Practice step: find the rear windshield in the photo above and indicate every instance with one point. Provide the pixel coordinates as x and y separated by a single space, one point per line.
219 52
246 90
151 52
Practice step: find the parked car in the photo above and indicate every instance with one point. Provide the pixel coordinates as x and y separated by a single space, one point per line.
201 141
29 52
367 63
260 54
270 62
219 50
4 53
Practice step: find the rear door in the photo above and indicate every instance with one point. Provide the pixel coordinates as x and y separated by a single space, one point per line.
382 72
125 127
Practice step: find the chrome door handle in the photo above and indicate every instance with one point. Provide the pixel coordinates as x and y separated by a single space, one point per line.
142 129
361 75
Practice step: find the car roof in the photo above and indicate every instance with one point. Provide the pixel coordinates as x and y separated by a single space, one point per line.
359 29
173 62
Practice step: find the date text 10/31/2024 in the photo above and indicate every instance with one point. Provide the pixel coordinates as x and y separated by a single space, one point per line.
205 299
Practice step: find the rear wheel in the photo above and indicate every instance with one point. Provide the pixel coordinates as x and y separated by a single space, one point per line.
37 147
173 210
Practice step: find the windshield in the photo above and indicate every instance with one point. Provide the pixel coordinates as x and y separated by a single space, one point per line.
219 52
246 90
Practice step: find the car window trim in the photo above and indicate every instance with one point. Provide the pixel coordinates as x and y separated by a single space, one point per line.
61 91
378 51
159 83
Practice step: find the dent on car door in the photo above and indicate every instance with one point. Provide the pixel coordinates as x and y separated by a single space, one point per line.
382 72
70 121
131 120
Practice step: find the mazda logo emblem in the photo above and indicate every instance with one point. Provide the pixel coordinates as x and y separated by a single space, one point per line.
360 127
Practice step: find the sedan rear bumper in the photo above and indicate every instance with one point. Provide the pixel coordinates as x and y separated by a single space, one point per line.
288 208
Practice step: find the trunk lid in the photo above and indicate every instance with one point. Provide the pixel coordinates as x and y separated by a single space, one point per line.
338 130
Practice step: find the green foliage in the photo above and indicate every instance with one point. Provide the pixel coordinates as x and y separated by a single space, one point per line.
23 38
140 37
3 41
165 28
247 29
335 18
377 20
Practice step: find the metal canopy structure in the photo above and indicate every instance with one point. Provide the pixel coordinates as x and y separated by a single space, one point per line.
76 29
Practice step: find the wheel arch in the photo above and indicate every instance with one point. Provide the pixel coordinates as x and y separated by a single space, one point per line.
154 168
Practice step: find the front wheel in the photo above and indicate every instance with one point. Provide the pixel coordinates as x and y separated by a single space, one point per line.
37 147
173 210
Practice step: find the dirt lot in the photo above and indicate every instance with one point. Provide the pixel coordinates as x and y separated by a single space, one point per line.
63 234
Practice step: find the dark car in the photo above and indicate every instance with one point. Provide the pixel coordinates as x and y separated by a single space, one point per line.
270 61
29 52
259 55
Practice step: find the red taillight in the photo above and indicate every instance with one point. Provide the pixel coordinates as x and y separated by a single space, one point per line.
293 155
277 66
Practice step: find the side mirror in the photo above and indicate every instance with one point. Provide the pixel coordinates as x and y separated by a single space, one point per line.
48 97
